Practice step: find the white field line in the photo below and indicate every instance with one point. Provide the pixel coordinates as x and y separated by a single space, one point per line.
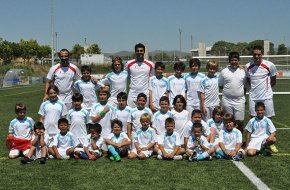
251 176
283 128
282 124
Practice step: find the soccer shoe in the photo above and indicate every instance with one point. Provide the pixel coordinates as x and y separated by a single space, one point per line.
178 157
42 160
190 158
26 160
112 158
159 157
266 152
209 158
236 158
118 158
273 148
66 157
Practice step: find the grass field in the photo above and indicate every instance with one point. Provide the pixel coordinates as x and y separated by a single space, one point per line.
135 174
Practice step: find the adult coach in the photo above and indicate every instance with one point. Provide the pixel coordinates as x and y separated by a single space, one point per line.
232 81
139 71
261 76
63 75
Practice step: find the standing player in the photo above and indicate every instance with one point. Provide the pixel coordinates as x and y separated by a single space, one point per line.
139 70
62 75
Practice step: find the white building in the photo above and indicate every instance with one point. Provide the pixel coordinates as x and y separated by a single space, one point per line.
95 59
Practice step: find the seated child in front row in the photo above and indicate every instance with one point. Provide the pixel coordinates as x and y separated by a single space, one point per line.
144 140
63 143
230 140
170 145
261 132
117 141
198 148
95 140
39 145
20 133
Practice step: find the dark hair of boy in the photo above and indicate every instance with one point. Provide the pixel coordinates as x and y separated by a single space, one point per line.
179 66
77 97
142 95
52 86
96 127
86 68
260 104
122 95
62 120
19 107
164 98
196 125
195 112
258 47
159 64
194 61
169 120
38 125
181 98
118 122
234 54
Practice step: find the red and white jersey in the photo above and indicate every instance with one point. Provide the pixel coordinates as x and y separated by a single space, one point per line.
139 76
63 78
260 76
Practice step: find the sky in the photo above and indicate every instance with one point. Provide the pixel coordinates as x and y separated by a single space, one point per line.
117 25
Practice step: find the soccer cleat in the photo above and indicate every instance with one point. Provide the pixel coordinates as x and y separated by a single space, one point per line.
266 152
26 160
66 157
112 158
178 157
236 158
159 157
190 158
273 148
118 158
42 160
209 158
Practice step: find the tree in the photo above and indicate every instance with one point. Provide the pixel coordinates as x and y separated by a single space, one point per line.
260 43
28 49
6 51
76 51
223 48
94 49
43 51
161 56
282 50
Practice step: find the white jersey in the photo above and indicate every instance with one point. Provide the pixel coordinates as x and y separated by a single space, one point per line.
170 141
192 141
117 82
123 115
260 127
52 112
192 84
63 78
159 121
135 115
99 141
105 122
144 138
233 82
88 90
78 120
21 128
210 88
260 76
189 125
180 118
230 139
176 87
139 76
159 88
64 141
38 145
217 126
118 139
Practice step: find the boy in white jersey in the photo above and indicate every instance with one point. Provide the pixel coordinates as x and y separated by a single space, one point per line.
176 82
63 144
87 87
216 124
232 80
230 140
117 142
38 145
103 112
169 147
192 84
139 70
198 148
122 111
209 90
135 114
158 87
144 140
117 80
261 132
50 112
95 141
20 132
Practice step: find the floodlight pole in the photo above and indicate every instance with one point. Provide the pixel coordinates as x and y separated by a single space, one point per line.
52 33
179 43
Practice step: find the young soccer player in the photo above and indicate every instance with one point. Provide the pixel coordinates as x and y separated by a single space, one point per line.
135 114
230 140
144 140
103 112
51 111
158 87
20 132
261 132
117 80
192 84
63 144
87 87
170 145
95 141
122 111
176 82
196 117
117 142
216 124
39 149
209 90
198 148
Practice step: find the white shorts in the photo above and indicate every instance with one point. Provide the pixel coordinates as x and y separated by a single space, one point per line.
16 152
237 109
147 153
38 152
269 112
257 142
62 151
